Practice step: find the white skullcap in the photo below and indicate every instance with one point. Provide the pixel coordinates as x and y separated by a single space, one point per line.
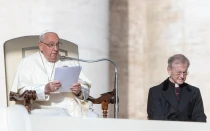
46 31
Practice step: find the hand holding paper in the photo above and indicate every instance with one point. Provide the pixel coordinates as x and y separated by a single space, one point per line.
67 76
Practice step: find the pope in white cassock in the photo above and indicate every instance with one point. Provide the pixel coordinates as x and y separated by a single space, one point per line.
36 72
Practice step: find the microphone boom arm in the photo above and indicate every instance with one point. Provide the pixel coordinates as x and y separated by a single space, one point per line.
116 106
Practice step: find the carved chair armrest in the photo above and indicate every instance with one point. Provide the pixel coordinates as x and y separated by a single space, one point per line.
30 95
27 97
104 100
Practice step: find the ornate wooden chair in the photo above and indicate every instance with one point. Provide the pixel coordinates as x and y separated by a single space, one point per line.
17 48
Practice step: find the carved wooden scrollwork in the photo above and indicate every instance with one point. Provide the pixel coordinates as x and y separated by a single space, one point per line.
104 100
27 97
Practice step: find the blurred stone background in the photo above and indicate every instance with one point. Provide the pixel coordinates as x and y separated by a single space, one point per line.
144 33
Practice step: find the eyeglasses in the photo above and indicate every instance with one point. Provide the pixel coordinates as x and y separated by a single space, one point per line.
180 73
51 46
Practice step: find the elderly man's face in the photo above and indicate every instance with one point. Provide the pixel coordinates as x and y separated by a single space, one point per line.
178 73
50 47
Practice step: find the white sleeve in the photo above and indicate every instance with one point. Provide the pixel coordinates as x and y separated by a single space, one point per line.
23 80
84 81
85 91
85 85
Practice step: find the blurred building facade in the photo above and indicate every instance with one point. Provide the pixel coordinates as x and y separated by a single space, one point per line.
144 33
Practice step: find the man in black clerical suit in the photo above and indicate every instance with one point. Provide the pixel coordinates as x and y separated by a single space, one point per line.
174 99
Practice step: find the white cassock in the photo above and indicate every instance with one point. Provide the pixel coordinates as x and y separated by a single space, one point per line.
34 72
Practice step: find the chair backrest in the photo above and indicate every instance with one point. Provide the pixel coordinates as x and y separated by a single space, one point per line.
17 48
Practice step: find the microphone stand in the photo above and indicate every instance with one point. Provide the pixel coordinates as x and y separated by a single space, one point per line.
116 106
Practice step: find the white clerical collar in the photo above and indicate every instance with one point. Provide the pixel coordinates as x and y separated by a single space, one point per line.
44 59
42 56
176 85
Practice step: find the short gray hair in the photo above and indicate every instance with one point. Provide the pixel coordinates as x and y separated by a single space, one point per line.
178 59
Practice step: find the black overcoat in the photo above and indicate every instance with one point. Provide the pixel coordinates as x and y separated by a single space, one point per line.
162 103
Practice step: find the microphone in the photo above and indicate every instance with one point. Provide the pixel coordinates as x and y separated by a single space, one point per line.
116 106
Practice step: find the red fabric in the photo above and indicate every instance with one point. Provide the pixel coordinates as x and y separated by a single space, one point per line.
177 92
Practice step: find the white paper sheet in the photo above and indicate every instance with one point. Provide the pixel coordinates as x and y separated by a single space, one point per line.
67 76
